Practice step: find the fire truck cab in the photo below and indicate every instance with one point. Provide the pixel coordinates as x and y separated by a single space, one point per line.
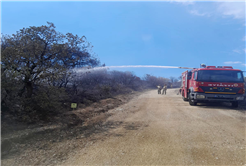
211 83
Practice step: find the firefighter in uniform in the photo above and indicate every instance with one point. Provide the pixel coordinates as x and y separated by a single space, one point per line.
180 89
164 89
159 89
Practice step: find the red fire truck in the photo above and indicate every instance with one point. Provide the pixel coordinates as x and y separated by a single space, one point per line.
211 83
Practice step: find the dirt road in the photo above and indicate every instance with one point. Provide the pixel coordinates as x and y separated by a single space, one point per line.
157 129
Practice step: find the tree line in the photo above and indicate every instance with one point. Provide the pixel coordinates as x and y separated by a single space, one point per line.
39 76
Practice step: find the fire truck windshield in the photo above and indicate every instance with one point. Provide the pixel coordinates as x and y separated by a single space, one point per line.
220 76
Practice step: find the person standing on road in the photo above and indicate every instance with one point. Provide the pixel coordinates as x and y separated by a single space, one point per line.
159 89
164 89
180 89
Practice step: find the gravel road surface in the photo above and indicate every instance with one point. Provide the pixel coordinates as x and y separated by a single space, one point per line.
157 129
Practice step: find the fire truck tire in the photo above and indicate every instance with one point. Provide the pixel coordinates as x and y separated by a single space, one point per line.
234 104
185 99
192 103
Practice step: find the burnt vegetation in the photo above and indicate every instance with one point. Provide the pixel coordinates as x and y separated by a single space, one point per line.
39 77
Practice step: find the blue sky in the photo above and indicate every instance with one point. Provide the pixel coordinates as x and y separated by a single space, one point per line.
144 33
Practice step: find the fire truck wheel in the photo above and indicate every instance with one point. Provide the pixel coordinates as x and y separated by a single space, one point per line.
192 102
234 104
185 99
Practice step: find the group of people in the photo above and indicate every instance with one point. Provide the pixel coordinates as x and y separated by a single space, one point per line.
164 89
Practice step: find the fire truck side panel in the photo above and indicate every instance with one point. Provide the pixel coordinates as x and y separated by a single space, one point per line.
185 84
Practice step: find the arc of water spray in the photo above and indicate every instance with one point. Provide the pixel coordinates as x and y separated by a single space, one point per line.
85 69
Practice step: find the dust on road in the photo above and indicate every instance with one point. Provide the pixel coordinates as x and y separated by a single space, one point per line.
164 130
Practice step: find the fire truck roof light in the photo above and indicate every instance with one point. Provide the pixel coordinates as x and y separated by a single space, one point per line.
208 67
203 65
227 67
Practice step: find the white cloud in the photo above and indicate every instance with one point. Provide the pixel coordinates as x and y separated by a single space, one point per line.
231 62
240 51
234 9
197 13
147 37
237 51
244 64
184 2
